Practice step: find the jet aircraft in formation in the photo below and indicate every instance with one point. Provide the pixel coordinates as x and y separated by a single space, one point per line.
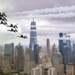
22 36
12 30
3 21
13 26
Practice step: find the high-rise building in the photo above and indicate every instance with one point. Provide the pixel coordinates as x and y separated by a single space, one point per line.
36 53
29 61
39 70
5 66
52 71
57 58
73 54
61 44
42 58
65 47
48 50
58 63
19 57
54 49
9 52
29 55
33 35
70 69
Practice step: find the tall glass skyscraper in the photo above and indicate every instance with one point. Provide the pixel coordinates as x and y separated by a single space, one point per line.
33 35
65 47
9 51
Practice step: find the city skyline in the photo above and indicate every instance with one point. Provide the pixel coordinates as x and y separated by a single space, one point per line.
51 19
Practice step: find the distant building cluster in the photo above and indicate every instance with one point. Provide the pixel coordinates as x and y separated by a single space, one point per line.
36 61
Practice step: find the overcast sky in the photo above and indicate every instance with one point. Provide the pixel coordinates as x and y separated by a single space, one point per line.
51 16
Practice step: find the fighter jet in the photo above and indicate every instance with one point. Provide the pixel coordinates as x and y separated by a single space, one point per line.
13 30
13 26
22 36
3 16
3 22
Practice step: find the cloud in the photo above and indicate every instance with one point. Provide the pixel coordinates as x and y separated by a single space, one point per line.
28 5
57 12
47 27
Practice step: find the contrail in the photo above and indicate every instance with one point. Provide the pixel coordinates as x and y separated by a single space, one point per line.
57 12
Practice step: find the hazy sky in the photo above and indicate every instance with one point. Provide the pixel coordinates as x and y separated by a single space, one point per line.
51 16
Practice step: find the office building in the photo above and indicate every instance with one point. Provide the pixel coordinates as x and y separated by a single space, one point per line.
36 53
9 52
48 50
29 55
5 66
52 71
57 58
43 59
58 63
28 66
19 57
61 44
39 70
29 61
33 35
73 54
41 56
65 48
59 68
70 69
54 49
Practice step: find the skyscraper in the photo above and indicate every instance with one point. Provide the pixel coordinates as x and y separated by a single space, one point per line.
61 46
36 53
58 62
19 57
73 54
52 71
9 52
48 50
70 69
38 70
33 35
65 47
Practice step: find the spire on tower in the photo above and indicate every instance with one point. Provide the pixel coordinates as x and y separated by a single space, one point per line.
33 18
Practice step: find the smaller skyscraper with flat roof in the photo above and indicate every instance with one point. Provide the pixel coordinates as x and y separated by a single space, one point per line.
9 52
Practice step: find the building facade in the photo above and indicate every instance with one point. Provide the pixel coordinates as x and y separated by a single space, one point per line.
52 71
9 52
65 48
19 57
33 35
70 69
36 53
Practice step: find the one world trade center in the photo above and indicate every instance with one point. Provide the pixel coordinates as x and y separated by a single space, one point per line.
33 35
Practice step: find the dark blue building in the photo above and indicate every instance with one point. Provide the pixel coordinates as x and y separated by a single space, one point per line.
65 48
36 53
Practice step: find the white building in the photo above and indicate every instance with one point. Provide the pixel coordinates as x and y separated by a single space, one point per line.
37 71
52 71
